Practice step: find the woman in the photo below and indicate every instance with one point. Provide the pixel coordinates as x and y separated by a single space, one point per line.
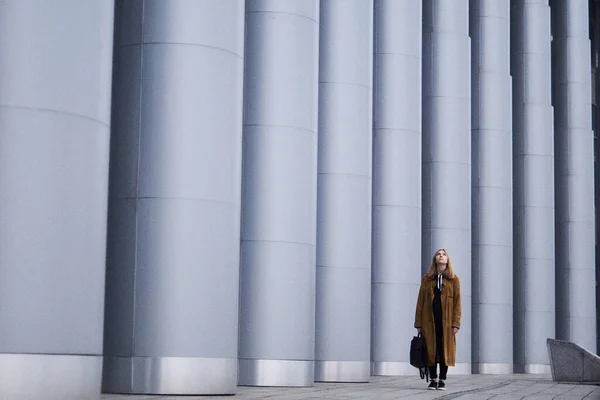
438 316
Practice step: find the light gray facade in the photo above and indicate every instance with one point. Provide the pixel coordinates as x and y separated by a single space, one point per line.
275 178
174 218
447 149
343 279
396 233
533 185
574 177
55 85
279 212
492 211
594 14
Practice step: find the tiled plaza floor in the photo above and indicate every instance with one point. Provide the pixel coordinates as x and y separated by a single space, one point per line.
464 387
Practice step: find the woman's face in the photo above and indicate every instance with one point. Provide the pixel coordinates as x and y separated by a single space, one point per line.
441 260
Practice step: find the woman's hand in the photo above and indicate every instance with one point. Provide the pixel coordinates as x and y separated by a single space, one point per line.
419 330
455 329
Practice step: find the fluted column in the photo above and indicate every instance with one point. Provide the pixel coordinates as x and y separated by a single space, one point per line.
343 291
533 180
277 310
174 221
492 187
574 180
55 82
447 149
397 209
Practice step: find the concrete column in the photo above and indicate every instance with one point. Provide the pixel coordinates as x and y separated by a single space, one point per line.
491 130
55 82
343 291
277 310
533 180
595 37
174 219
397 165
574 179
447 149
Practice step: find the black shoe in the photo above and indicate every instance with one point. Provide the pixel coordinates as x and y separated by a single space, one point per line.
432 386
441 385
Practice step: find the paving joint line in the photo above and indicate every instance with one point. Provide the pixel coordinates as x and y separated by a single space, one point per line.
458 394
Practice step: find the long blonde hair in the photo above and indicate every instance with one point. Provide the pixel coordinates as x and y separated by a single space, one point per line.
448 273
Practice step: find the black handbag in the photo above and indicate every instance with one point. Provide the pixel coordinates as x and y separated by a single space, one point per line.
418 356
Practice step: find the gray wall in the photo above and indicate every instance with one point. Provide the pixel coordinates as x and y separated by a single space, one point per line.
574 177
55 82
343 291
279 212
492 187
533 182
447 149
174 221
396 233
281 173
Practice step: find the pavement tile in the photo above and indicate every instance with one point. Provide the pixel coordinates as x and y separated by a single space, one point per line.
463 387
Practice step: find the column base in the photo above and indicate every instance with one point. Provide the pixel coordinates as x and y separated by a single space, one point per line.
342 371
460 369
492 368
532 369
384 368
169 375
392 368
50 376
253 372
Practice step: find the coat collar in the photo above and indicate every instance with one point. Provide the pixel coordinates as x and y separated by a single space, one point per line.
434 277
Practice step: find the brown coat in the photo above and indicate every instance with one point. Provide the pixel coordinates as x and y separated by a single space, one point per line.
451 313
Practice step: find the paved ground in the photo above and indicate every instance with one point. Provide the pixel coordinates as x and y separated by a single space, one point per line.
464 387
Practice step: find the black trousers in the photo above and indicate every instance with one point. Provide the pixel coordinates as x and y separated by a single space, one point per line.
439 338
443 371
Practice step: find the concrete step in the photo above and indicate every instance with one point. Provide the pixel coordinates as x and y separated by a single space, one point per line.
572 363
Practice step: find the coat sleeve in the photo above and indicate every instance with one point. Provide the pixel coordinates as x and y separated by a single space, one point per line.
457 313
419 310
